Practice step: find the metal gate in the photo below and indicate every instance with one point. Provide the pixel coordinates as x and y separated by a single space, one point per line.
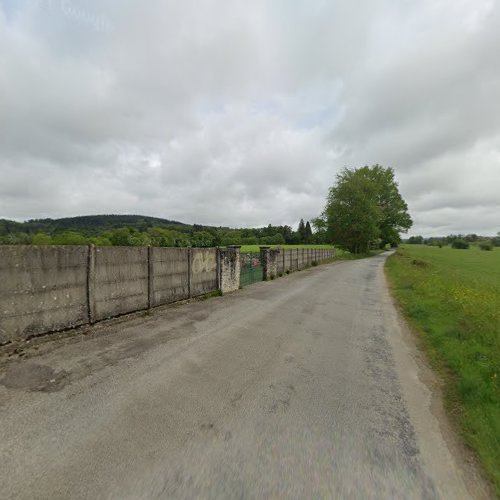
251 268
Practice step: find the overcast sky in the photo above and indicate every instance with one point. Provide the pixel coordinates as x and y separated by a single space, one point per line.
240 113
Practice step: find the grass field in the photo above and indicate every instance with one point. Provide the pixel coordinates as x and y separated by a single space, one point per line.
256 248
452 298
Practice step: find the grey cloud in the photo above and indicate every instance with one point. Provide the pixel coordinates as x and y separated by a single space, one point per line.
237 113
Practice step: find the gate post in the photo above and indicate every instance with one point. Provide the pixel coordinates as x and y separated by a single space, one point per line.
264 262
229 268
269 261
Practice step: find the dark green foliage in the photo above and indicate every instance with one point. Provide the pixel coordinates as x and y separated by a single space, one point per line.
460 244
135 230
416 240
486 245
302 231
365 208
308 233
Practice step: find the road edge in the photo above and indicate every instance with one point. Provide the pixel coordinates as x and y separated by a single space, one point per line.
420 373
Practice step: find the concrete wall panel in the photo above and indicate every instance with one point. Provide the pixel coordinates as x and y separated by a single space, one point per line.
203 271
170 275
121 281
42 289
288 260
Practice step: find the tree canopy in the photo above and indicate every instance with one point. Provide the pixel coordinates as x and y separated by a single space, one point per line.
135 230
364 208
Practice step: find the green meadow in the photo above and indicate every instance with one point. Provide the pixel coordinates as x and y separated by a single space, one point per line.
452 299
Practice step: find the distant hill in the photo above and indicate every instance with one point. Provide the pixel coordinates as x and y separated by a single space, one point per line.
89 224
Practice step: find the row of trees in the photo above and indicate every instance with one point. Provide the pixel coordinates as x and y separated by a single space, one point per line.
452 238
178 236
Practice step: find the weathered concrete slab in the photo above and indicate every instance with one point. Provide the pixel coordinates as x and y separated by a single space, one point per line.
203 271
42 289
121 281
170 275
230 267
288 260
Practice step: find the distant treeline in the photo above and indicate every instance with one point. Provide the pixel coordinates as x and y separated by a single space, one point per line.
136 230
455 240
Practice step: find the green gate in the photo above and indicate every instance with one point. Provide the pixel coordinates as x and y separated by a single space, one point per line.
251 268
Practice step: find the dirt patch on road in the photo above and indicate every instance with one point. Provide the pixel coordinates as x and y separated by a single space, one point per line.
34 377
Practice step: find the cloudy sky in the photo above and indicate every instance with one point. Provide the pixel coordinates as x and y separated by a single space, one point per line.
241 113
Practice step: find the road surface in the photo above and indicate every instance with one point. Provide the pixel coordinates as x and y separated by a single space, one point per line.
301 387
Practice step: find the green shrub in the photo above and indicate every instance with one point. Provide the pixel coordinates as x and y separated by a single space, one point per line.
486 245
460 244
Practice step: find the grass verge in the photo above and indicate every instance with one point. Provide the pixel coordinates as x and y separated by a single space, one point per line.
452 299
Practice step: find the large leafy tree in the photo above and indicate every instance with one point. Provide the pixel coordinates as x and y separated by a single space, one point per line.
364 207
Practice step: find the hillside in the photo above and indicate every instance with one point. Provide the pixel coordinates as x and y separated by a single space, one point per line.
125 230
89 224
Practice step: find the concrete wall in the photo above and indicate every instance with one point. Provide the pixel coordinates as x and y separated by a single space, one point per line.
203 271
293 259
170 275
120 282
230 268
279 263
272 261
287 260
42 289
50 288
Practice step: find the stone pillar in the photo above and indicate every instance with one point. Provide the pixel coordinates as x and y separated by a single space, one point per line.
269 260
229 268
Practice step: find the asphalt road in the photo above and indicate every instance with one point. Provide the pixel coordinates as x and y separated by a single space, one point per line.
302 387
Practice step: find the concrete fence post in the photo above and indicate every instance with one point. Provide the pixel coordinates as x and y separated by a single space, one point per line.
218 254
190 272
264 261
91 284
269 259
229 268
150 277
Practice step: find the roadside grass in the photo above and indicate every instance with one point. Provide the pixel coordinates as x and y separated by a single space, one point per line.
344 255
452 299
